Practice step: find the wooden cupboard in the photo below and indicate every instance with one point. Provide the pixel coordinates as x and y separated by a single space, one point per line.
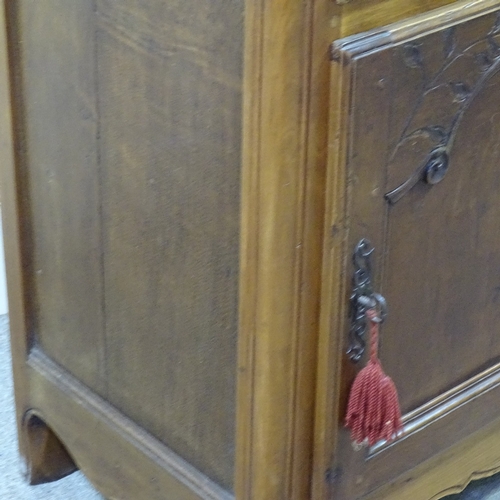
183 185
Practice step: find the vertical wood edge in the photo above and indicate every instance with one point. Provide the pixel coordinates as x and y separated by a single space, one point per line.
333 308
277 464
248 248
12 225
324 24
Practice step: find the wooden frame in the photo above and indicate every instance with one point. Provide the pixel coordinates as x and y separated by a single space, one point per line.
285 126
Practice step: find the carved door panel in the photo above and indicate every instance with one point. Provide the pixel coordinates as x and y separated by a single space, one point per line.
418 160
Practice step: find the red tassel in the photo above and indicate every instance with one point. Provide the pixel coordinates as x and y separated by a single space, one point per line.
373 411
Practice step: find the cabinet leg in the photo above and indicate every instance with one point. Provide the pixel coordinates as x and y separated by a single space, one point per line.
47 459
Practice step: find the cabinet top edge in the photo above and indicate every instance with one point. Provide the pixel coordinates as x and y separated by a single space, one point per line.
437 19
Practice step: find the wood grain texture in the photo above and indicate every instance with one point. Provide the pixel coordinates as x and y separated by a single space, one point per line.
170 133
285 123
459 301
354 206
43 455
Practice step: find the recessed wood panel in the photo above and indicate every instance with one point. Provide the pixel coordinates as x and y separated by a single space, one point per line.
128 122
57 118
170 133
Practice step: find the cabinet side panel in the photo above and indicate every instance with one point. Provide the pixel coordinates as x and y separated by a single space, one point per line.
55 90
170 109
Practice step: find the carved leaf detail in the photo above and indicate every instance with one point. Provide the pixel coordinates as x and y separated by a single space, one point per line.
460 90
412 55
449 44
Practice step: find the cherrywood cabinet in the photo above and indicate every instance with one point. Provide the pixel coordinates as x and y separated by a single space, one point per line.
183 185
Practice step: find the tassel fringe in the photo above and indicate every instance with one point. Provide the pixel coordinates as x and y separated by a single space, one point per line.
373 411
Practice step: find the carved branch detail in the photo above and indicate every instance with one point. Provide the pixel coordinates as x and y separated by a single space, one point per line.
482 59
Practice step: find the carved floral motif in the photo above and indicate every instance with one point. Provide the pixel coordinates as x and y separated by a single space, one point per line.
452 88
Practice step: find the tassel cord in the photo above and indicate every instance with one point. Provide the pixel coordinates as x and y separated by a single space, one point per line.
373 319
